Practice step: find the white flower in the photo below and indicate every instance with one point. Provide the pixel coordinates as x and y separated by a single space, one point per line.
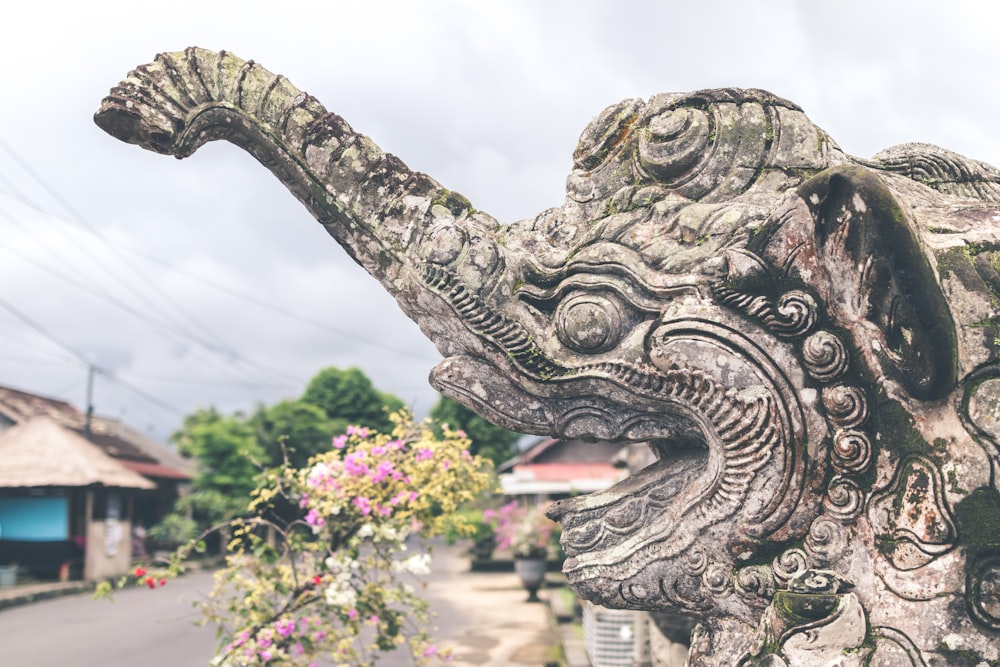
419 564
340 565
318 472
340 597
366 531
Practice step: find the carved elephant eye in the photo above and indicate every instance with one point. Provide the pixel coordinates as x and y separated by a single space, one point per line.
443 243
590 323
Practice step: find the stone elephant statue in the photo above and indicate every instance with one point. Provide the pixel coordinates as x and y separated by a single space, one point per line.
806 341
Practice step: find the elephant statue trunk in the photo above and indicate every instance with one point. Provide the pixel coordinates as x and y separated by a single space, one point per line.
368 200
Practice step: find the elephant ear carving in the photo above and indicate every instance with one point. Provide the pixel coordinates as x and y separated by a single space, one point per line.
879 271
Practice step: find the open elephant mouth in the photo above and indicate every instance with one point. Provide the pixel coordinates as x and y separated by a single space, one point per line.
716 451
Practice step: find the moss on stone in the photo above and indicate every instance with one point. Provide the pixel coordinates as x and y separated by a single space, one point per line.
454 202
953 484
978 517
893 427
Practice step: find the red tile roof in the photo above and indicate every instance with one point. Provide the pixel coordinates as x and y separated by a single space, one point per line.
567 472
158 470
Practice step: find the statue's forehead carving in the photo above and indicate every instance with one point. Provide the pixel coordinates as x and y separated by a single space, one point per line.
708 145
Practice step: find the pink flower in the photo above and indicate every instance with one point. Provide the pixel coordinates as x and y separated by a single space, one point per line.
382 472
373 619
265 655
320 635
304 501
413 496
489 514
359 431
353 464
340 441
446 464
378 450
363 504
314 519
285 627
352 614
424 453
430 650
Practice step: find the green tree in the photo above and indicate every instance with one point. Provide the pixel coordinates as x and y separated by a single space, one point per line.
229 460
349 395
488 440
296 429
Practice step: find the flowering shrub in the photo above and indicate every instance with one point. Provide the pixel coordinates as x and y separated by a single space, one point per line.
479 525
338 580
526 531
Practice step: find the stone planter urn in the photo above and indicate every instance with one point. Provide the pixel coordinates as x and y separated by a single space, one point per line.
482 549
531 570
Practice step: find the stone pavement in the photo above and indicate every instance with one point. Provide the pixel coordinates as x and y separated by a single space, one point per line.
485 616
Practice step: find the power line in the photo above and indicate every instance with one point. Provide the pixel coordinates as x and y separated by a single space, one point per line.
45 332
249 298
215 346
191 275
83 358
204 382
82 223
163 325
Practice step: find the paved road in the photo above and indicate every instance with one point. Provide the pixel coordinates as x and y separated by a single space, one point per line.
140 628
482 615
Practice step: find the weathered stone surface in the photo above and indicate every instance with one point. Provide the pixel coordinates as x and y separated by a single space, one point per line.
808 342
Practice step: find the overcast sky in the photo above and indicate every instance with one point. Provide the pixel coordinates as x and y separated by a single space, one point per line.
204 282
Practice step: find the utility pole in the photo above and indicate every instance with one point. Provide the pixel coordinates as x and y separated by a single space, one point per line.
90 401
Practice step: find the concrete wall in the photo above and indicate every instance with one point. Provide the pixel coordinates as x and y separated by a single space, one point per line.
109 549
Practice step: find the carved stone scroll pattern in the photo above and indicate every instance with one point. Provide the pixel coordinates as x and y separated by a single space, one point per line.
827 360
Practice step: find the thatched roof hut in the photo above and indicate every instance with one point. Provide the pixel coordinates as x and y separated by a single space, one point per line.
39 452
